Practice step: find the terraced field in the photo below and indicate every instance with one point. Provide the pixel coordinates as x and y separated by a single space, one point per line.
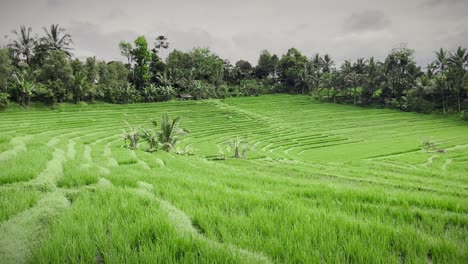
323 183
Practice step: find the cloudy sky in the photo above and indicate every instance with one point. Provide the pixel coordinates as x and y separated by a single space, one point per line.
240 29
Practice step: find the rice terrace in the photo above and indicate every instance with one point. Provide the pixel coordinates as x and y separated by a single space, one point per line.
263 131
322 183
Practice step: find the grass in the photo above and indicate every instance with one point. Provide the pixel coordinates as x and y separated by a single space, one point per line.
322 183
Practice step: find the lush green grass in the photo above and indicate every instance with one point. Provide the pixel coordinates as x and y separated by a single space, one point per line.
323 183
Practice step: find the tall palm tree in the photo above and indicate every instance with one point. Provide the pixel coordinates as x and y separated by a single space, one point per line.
459 58
24 44
57 39
441 61
371 78
440 84
457 63
326 63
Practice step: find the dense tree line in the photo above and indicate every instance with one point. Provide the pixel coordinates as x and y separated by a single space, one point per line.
43 69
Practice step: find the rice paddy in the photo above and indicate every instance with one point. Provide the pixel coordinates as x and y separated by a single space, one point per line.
320 183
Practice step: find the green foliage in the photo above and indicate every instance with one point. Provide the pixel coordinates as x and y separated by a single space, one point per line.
267 65
24 45
25 85
464 115
396 82
56 39
165 138
290 65
57 74
131 136
240 147
126 51
6 70
151 137
4 99
428 144
142 58
169 132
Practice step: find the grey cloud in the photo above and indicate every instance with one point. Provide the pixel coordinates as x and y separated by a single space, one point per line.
117 13
241 29
188 39
368 20
55 3
91 40
443 2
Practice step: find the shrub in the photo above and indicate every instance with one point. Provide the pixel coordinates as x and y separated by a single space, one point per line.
239 145
429 144
166 138
464 115
131 136
151 137
4 99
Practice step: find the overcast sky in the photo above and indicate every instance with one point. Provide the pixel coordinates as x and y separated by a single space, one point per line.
240 29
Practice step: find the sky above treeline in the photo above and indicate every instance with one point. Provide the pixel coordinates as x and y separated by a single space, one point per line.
240 29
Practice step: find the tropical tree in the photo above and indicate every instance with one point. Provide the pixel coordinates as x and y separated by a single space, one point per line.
290 66
25 85
371 80
170 132
57 74
326 63
6 70
267 65
160 44
442 59
245 68
142 57
126 51
57 39
80 86
23 47
456 72
440 85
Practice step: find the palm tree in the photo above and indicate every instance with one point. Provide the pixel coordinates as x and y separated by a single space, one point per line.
353 79
57 39
326 63
24 44
80 86
371 79
168 136
441 61
161 43
457 62
440 84
346 69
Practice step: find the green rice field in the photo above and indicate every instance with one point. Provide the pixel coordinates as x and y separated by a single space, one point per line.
322 183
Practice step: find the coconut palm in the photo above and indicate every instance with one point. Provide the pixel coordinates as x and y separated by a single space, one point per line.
160 44
57 39
326 63
24 44
440 85
442 57
457 62
459 58
169 133
353 79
